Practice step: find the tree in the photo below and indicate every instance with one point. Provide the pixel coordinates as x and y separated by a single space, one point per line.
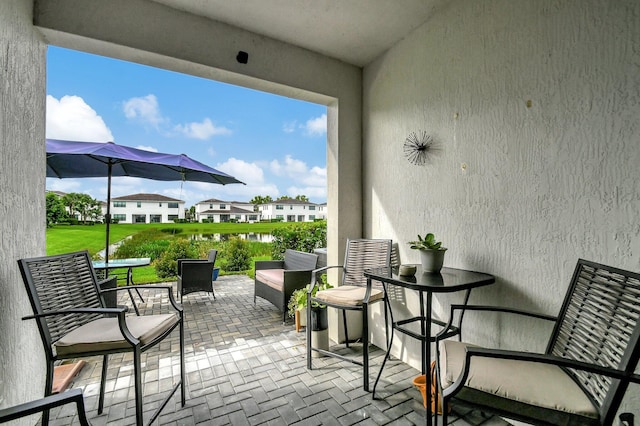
55 209
82 204
285 197
259 199
303 198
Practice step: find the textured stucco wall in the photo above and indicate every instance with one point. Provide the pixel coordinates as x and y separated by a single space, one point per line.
22 187
517 189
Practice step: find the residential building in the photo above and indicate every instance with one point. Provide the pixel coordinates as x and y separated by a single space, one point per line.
218 211
146 208
290 210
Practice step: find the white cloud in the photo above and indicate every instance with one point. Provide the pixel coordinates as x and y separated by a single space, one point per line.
147 148
203 131
289 127
310 182
316 126
145 109
249 173
70 118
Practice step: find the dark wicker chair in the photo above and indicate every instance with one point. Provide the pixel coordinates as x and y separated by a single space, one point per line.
72 396
73 321
352 294
584 373
196 275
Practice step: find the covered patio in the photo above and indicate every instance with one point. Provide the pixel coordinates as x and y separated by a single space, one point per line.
244 367
533 106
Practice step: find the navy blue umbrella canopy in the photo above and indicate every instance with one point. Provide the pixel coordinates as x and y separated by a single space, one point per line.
72 159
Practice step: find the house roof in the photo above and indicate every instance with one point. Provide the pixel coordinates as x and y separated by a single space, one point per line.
232 210
145 197
211 200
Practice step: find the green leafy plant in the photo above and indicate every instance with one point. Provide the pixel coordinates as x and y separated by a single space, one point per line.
427 243
298 300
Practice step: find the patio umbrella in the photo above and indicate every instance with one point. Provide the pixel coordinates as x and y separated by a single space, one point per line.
72 159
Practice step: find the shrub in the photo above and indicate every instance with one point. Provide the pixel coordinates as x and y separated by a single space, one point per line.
302 236
235 255
167 265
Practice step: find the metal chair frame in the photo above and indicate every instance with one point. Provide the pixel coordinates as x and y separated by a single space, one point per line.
64 295
360 254
594 340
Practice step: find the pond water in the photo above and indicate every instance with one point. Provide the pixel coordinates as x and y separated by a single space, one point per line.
251 236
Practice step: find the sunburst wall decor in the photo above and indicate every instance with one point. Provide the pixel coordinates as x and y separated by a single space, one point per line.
418 147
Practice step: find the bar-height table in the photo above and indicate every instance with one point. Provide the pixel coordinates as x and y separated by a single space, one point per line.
449 280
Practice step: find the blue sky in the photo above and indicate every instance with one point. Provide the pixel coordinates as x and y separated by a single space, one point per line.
276 145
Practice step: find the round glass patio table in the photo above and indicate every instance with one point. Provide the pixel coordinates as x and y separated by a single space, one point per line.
130 263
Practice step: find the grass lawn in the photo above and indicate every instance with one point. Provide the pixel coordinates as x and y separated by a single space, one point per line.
65 239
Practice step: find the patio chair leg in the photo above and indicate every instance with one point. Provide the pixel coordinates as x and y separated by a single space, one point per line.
365 347
48 389
346 332
308 331
182 374
103 382
137 385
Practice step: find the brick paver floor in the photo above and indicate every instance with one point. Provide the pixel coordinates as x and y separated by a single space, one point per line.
244 367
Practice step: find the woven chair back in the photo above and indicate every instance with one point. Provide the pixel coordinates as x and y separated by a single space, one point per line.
363 254
599 324
60 282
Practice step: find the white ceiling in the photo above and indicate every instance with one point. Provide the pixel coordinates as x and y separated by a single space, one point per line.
354 31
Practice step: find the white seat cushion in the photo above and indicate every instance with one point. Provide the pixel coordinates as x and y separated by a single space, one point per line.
104 333
531 383
348 295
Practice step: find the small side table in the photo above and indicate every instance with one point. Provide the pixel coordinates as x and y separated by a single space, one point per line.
449 280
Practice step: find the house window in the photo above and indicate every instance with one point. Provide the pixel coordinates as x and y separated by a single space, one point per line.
253 217
159 204
210 205
312 207
155 218
139 204
312 217
139 218
173 206
279 207
119 204
223 206
290 207
120 217
279 216
172 217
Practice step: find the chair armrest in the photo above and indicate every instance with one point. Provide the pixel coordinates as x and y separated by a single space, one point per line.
111 311
317 273
485 308
503 309
269 264
293 278
46 403
168 289
474 351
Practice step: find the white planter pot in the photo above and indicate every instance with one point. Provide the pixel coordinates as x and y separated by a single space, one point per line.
432 260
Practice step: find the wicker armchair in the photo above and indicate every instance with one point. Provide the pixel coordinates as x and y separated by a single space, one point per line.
352 294
196 275
73 321
583 375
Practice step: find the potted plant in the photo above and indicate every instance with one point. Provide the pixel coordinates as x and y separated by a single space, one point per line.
298 303
431 252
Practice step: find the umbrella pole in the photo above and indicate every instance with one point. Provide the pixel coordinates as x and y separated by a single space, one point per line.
107 218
